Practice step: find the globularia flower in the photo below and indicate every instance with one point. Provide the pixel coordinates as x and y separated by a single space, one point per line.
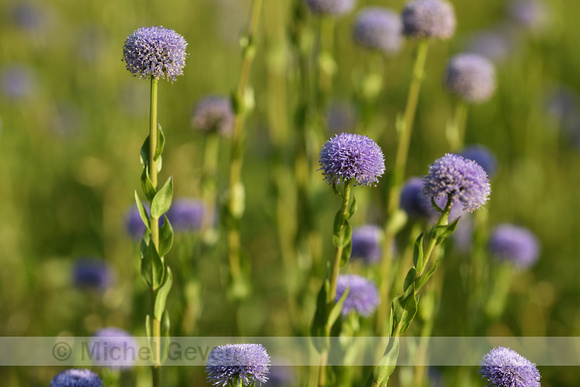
428 19
17 82
214 114
76 378
186 214
462 180
366 243
481 155
494 44
378 29
330 7
233 363
363 295
530 14
504 367
113 348
514 244
471 77
351 156
156 52
92 273
414 202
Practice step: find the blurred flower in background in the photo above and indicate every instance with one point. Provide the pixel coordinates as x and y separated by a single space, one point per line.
530 14
428 19
106 346
17 81
513 244
366 243
330 7
341 116
214 114
378 29
471 77
495 44
186 214
363 295
92 273
483 156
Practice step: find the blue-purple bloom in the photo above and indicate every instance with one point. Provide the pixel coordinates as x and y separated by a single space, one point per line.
92 273
17 81
155 52
414 202
186 214
351 156
514 244
214 114
363 295
330 7
366 243
233 363
531 14
481 155
76 378
494 44
471 77
428 19
113 348
454 177
504 367
378 29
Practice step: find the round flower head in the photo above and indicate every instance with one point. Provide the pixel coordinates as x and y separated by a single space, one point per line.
513 244
155 52
113 348
330 7
504 367
428 19
363 295
378 29
462 180
481 155
494 44
233 363
92 273
214 114
366 243
471 77
186 214
17 82
351 156
414 202
76 378
531 14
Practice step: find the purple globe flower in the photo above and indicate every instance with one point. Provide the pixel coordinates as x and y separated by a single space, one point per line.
428 19
481 155
330 7
17 81
113 348
471 77
351 156
76 378
531 14
366 243
186 214
414 202
155 52
238 363
495 44
462 180
363 296
514 244
214 114
504 367
378 29
92 273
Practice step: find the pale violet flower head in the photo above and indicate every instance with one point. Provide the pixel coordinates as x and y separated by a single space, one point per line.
113 348
76 378
351 156
471 77
378 29
155 52
366 243
428 19
504 367
363 295
186 214
330 7
514 244
230 364
481 155
214 114
92 273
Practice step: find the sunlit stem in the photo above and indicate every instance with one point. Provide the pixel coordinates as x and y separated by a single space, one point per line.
456 132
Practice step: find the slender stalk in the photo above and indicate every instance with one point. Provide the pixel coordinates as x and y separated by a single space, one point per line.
210 160
456 132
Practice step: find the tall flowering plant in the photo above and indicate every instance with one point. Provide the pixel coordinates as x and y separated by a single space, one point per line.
155 53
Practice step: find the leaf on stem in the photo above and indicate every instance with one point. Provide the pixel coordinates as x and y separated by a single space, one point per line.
423 280
152 267
441 232
165 237
418 253
318 327
404 309
337 308
162 293
144 153
352 208
147 185
142 212
160 143
162 200
386 365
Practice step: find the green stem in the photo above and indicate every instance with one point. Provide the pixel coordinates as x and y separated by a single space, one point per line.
210 160
456 133
335 264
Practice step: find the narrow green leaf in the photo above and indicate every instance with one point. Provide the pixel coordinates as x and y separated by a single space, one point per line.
148 326
418 253
404 309
346 252
147 185
446 231
352 208
165 325
409 279
423 280
160 143
337 223
165 237
142 211
144 153
152 267
318 327
337 308
162 200
162 293
387 364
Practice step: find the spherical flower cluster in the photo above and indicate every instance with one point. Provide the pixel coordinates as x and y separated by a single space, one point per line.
471 77
17 82
366 243
76 378
351 156
92 273
214 114
530 14
514 244
483 156
186 214
428 19
378 29
330 7
504 367
494 44
230 363
108 347
363 295
464 181
155 52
